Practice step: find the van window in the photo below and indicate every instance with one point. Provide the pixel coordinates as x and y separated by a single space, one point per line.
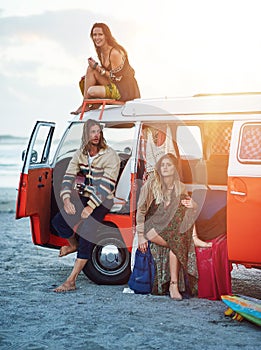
119 137
219 137
42 146
250 143
189 142
71 142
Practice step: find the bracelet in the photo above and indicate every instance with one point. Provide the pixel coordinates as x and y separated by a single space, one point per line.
102 71
95 65
112 76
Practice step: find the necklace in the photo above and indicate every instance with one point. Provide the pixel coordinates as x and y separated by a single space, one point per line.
93 153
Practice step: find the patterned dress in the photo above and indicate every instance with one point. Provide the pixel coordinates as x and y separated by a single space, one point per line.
174 224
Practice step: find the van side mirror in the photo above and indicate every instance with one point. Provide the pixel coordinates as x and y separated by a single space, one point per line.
34 156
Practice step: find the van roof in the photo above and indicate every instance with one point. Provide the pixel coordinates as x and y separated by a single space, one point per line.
232 106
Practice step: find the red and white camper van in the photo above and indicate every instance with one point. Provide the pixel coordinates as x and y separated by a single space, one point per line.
217 139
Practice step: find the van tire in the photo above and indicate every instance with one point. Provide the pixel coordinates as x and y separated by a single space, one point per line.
110 259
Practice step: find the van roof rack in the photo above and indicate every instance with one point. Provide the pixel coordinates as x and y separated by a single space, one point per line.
99 101
227 94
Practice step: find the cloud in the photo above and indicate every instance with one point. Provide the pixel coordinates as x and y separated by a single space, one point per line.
42 58
198 47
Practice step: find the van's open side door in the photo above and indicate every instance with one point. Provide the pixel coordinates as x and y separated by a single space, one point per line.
34 193
244 194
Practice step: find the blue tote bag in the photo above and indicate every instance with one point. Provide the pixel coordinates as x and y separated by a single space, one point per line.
142 276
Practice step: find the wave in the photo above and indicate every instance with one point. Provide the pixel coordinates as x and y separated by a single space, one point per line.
10 139
11 160
12 165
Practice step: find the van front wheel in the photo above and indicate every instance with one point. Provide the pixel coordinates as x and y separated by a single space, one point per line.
110 259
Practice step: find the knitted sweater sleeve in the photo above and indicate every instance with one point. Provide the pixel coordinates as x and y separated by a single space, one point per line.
144 202
69 176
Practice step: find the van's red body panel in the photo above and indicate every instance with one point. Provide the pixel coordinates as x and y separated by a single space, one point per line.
34 200
244 218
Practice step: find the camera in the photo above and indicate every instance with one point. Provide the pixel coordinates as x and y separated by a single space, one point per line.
80 184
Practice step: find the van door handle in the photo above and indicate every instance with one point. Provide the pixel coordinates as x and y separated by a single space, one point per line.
237 193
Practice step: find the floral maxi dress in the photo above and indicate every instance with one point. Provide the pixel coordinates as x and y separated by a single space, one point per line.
175 225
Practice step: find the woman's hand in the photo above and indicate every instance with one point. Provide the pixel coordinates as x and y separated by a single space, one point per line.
188 202
92 63
69 206
166 204
86 212
142 243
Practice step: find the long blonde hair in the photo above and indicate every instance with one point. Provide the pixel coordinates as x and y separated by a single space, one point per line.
158 185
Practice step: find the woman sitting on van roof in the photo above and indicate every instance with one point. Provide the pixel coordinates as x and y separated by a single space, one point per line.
113 78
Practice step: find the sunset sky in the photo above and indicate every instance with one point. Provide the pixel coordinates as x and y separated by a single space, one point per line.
177 48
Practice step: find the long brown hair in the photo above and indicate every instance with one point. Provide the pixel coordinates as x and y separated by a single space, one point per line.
109 38
85 146
158 186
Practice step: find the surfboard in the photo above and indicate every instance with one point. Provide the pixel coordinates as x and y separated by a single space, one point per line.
241 306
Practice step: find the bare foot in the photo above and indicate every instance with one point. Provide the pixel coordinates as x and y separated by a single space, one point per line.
67 249
201 244
79 110
174 291
65 287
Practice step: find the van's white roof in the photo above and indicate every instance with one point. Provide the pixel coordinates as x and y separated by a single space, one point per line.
204 107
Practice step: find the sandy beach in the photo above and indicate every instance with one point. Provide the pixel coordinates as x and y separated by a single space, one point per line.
103 317
8 199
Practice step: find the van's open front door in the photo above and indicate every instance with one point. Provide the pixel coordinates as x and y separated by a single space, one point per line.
34 193
244 194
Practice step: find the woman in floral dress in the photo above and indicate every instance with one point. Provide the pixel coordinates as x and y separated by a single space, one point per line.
165 216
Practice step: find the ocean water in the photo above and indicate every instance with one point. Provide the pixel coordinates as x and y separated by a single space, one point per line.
11 148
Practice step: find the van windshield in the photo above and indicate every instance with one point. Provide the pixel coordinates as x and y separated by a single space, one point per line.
118 136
